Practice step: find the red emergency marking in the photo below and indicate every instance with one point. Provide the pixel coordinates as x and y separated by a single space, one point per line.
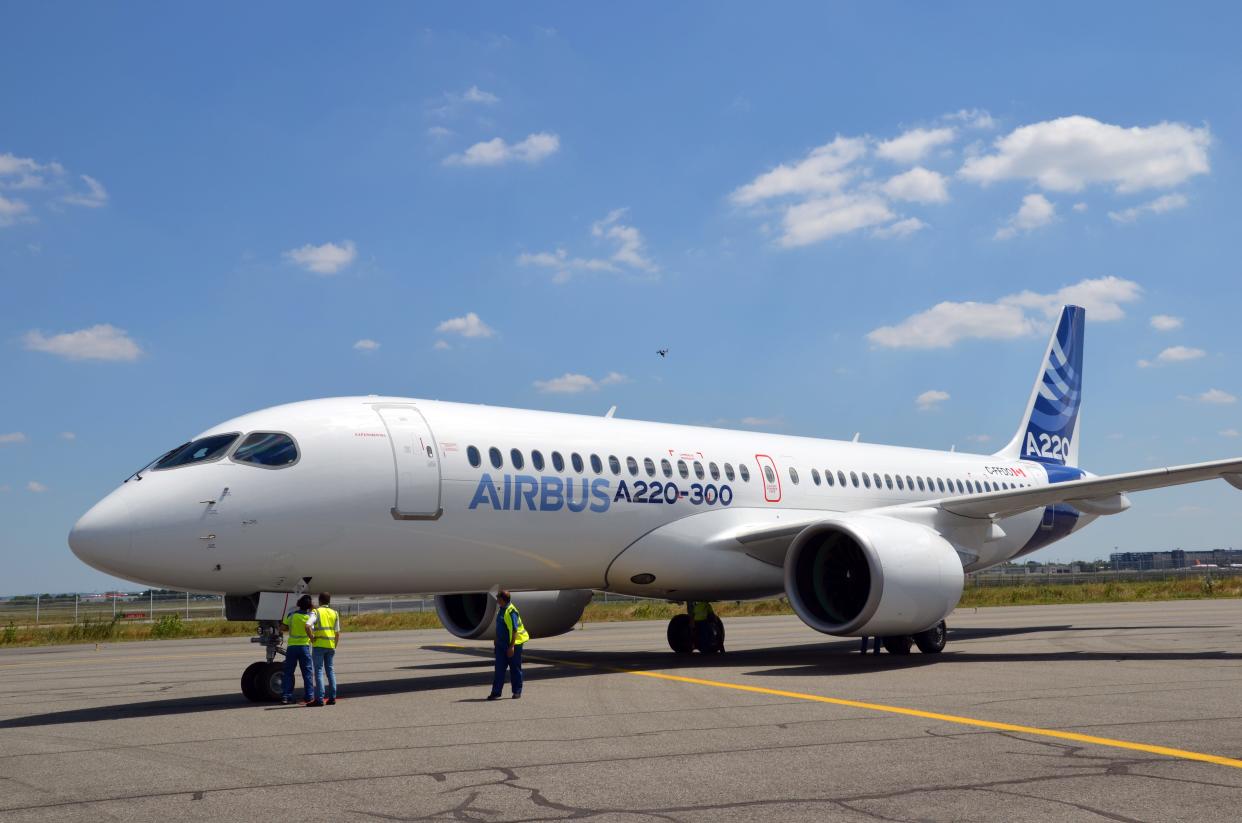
369 434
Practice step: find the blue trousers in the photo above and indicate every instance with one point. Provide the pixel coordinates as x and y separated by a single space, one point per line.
514 667
324 666
298 657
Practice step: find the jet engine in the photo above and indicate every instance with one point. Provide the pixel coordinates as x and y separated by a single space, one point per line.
869 575
472 616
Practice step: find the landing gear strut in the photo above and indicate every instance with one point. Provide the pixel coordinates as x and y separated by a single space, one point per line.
681 637
263 681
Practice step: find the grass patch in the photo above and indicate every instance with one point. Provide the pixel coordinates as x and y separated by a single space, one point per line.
1020 594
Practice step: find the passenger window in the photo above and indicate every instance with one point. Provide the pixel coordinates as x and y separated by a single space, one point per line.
940 484
472 455
743 472
576 460
960 490
877 480
713 470
729 472
494 454
667 468
769 474
888 481
866 480
515 457
558 462
597 465
828 477
698 470
203 450
793 475
841 479
921 484
683 469
614 464
815 476
536 460
853 479
271 449
900 486
649 465
909 482
632 465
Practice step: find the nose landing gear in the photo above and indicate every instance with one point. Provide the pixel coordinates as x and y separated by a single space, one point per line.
263 681
682 637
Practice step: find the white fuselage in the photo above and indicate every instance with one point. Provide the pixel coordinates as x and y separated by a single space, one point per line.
383 498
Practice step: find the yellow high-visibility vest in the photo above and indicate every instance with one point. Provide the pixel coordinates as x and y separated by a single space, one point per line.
700 610
522 635
326 620
296 621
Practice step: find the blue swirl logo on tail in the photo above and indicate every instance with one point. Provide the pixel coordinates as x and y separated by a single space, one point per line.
1053 416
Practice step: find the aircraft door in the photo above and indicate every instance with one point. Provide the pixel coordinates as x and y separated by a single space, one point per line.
770 478
416 462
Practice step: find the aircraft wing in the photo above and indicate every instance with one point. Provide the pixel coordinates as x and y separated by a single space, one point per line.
1096 495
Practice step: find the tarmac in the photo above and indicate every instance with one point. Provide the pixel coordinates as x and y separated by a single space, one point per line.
1113 712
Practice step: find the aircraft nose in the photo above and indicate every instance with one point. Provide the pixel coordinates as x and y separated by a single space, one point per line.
103 537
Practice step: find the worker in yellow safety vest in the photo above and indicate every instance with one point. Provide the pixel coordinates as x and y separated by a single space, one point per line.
703 626
327 626
511 635
301 633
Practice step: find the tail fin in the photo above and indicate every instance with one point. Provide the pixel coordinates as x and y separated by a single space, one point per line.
1049 430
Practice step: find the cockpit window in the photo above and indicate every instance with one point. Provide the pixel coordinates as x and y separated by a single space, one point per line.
201 450
271 449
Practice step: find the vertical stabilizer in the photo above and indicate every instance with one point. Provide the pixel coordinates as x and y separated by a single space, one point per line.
1049 430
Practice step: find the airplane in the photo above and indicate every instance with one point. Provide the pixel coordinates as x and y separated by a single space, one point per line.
376 495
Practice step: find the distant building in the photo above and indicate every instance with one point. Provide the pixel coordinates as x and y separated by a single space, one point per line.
1174 559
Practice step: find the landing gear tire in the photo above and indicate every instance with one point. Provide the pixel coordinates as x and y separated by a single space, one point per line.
250 682
898 644
931 641
712 639
680 637
267 682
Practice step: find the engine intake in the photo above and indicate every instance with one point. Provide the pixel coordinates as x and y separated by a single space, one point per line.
472 616
859 575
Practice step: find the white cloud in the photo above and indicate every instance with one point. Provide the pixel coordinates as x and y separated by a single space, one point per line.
946 323
918 185
474 94
439 132
1160 205
570 383
1214 397
1165 322
825 217
468 325
101 342
913 145
496 152
931 399
95 196
822 170
366 344
1035 211
36 487
1080 207
974 118
326 259
1070 153
1228 433
441 345
901 228
13 437
629 254
613 378
1173 354
26 173
11 210
68 436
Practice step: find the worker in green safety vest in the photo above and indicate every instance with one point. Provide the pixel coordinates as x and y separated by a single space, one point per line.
327 626
300 628
703 626
511 635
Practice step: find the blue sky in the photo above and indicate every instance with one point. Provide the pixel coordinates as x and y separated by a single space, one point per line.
825 212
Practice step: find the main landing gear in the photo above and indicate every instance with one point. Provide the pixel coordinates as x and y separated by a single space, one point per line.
929 641
263 681
681 637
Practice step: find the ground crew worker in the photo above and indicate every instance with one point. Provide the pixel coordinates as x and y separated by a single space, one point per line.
701 625
327 627
510 636
298 650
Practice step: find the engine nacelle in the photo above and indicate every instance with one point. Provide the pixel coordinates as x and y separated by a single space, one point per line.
545 614
861 575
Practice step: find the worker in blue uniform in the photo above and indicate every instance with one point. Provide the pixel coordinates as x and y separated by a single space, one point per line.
511 635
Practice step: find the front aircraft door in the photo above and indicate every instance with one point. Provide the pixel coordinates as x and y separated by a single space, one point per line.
416 461
770 477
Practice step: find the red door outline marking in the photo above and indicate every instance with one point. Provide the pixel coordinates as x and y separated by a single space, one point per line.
767 487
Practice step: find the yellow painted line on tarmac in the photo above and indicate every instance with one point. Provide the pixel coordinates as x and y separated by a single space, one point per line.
1056 734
